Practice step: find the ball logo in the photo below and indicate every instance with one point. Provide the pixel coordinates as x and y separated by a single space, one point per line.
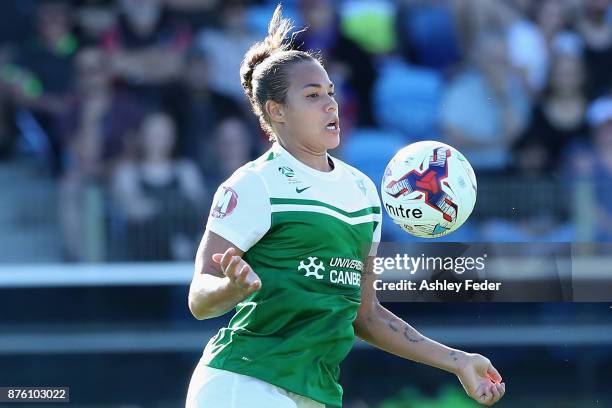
227 201
428 189
427 182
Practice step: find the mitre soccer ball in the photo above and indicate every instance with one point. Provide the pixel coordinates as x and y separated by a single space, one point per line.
429 189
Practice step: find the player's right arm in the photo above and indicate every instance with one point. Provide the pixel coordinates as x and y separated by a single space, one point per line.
221 278
239 217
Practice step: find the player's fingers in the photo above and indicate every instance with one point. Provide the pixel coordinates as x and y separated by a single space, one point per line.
217 257
242 274
500 392
496 393
226 258
486 395
230 269
502 388
255 286
479 394
253 281
483 400
494 374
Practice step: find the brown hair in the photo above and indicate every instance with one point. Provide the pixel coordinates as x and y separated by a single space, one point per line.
264 72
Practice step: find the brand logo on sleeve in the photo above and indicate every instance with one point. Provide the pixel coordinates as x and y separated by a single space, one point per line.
226 202
361 185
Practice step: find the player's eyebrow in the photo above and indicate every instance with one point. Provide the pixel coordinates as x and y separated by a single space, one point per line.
317 85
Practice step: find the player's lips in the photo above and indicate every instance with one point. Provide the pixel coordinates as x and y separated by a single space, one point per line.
333 125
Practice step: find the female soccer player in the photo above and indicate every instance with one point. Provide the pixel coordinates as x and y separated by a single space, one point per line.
289 243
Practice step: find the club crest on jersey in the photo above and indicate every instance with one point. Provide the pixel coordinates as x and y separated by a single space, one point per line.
289 174
286 171
226 202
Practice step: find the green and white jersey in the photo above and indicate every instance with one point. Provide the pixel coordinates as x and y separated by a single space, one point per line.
306 233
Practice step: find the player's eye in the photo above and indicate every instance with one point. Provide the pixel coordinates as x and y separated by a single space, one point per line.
332 93
313 95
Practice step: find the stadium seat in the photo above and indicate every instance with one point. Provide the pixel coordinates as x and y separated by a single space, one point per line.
430 33
407 98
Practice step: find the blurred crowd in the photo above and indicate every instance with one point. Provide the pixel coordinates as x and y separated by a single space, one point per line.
143 98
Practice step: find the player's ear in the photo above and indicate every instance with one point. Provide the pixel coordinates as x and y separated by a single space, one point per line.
275 111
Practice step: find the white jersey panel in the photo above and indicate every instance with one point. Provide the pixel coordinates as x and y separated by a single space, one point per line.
240 212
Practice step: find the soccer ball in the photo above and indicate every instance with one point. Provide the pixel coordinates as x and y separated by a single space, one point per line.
429 189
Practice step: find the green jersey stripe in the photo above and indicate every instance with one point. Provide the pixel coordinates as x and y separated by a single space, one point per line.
306 209
359 213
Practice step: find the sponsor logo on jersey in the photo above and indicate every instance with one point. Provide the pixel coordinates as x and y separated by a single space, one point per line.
226 202
346 263
301 190
313 267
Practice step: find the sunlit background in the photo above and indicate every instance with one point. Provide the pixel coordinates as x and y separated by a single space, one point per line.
119 119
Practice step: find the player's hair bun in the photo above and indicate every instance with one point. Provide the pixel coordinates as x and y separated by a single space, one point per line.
274 42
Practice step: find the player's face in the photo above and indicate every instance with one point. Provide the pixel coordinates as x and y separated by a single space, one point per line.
311 112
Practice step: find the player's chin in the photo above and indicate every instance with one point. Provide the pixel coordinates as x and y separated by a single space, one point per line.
330 140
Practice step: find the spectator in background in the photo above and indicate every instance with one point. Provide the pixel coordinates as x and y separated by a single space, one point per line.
557 121
93 19
350 68
234 144
597 165
98 125
196 13
534 37
197 109
596 30
224 48
50 55
100 119
475 17
486 107
49 60
146 49
160 197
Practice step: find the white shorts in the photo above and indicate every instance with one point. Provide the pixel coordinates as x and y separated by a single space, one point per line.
214 388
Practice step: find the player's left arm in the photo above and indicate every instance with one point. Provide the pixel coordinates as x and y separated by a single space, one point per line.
381 328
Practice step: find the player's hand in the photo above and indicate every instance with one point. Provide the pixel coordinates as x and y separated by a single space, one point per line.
481 380
238 271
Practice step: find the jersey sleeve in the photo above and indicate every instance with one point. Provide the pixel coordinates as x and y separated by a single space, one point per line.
241 211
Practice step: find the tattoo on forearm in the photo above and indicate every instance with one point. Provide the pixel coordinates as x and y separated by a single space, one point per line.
410 337
368 267
392 327
453 354
407 331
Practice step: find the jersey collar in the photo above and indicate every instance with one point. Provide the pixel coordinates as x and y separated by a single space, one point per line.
334 174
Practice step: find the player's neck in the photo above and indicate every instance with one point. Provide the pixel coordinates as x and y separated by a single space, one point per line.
314 159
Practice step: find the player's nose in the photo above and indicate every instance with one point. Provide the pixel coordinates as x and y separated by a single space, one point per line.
332 106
